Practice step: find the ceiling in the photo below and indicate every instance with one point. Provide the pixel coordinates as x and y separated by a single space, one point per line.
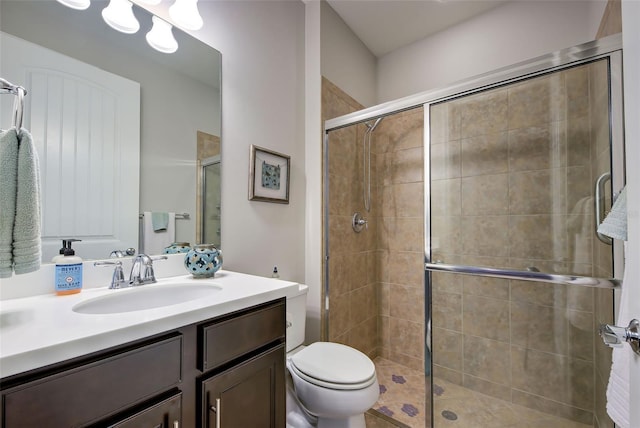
386 25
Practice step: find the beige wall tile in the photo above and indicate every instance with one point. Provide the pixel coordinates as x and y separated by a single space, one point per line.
364 336
449 375
485 195
406 337
566 380
446 197
485 235
536 101
485 154
447 348
552 407
578 141
406 303
443 282
402 200
486 387
484 286
447 311
538 192
486 318
559 331
487 359
446 160
363 303
407 268
537 147
446 235
557 295
538 236
482 114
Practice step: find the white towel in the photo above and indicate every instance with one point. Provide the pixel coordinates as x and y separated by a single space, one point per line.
155 242
618 395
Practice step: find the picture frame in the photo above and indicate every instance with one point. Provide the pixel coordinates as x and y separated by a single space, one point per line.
269 173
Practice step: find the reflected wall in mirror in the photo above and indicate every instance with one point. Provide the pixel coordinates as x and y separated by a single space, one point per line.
179 99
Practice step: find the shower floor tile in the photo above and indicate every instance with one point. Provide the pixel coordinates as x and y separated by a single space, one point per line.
402 395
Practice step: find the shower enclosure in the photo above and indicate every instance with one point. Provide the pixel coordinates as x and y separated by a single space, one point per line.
476 279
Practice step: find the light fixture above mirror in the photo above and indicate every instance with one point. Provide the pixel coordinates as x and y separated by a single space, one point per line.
185 14
76 4
161 37
119 16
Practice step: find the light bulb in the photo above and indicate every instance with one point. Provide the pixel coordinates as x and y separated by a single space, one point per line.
119 16
160 37
185 14
76 4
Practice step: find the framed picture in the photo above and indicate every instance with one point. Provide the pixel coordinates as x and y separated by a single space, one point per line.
268 176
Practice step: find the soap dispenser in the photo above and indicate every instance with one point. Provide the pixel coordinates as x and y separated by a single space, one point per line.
68 272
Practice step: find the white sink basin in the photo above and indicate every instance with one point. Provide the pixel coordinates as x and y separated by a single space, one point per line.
145 297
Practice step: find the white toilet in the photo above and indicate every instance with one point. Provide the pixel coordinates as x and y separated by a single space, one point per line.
329 385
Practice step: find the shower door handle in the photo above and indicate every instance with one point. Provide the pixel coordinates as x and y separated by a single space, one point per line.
599 192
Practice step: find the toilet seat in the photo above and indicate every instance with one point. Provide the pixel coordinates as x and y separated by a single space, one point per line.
333 366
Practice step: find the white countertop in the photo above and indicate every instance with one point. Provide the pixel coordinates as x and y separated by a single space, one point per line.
43 329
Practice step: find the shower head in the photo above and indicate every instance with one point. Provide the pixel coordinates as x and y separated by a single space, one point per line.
373 127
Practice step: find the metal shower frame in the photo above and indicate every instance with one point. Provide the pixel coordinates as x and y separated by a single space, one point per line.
607 47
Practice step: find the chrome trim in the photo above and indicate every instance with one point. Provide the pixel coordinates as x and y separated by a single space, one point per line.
524 275
539 65
599 194
325 197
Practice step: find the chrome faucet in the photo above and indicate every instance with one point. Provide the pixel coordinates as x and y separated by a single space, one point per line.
142 270
117 280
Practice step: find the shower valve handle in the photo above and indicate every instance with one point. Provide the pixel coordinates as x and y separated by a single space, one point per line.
358 223
614 336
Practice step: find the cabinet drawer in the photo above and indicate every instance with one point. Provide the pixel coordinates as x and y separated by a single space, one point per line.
226 339
166 414
98 389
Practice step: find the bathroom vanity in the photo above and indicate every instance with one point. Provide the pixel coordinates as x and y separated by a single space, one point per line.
223 367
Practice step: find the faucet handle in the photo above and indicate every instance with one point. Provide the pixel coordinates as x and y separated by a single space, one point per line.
117 280
142 269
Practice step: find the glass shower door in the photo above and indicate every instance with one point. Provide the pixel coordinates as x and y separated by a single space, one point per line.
512 187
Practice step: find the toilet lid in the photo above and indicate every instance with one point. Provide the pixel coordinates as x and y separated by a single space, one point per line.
334 365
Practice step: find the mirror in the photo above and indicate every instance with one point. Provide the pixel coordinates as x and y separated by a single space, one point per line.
179 121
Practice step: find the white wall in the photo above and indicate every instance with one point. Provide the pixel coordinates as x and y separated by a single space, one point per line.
346 61
631 46
503 36
262 45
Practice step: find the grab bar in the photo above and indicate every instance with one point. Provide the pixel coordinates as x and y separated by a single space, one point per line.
553 278
599 192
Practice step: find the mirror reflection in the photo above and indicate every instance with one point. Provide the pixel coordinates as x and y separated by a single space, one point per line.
121 129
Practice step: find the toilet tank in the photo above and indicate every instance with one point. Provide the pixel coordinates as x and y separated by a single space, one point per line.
296 317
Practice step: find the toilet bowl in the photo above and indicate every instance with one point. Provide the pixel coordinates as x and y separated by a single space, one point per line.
329 385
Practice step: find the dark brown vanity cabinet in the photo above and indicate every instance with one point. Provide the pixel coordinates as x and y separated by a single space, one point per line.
165 381
246 387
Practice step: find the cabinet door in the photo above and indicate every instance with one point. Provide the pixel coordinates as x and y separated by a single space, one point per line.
166 414
250 394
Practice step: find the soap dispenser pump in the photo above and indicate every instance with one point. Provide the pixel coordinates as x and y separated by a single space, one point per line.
68 272
275 273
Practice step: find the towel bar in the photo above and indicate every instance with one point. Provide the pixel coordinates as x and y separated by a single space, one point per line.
182 216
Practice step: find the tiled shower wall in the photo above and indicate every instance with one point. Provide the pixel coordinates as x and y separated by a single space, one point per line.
495 155
376 276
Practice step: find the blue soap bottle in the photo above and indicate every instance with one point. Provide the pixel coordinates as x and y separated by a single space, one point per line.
68 273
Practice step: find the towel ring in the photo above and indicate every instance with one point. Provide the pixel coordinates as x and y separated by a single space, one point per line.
18 108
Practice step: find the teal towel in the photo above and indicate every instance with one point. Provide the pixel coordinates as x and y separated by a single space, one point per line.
159 221
8 189
27 252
